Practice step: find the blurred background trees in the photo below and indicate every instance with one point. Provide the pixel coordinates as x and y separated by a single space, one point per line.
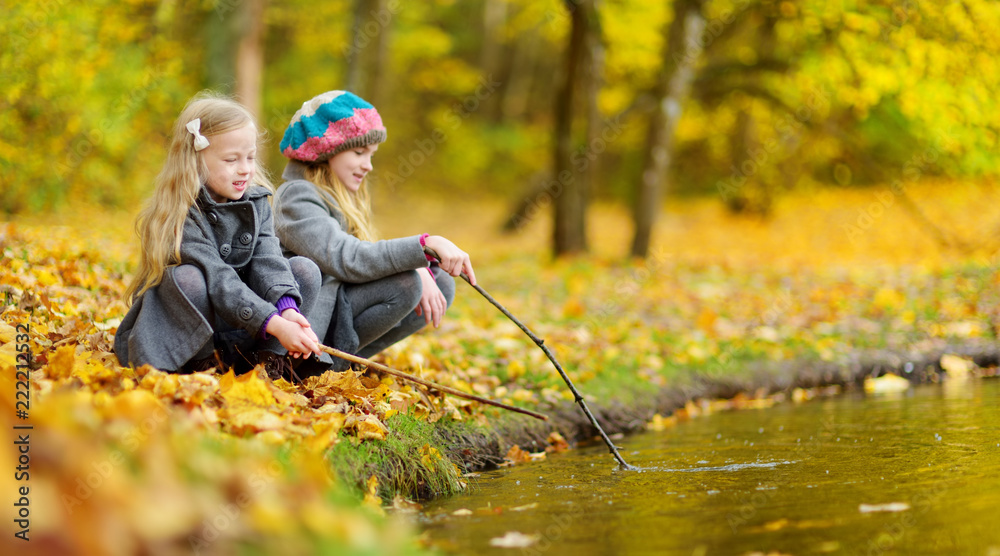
546 104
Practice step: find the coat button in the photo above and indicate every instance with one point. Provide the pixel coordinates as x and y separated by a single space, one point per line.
246 238
213 218
225 250
246 313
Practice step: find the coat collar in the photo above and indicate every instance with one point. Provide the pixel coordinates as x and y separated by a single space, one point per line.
253 192
295 170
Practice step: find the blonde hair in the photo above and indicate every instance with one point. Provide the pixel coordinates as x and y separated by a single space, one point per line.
160 225
355 206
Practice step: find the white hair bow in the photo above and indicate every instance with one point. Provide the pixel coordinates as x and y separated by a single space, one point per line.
194 126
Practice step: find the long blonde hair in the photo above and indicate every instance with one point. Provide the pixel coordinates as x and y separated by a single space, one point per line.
160 225
354 205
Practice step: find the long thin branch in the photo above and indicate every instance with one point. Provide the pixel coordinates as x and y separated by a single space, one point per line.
427 383
577 397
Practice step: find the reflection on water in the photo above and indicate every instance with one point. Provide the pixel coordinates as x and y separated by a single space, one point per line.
918 473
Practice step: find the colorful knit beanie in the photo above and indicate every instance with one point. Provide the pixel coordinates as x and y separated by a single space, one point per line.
331 123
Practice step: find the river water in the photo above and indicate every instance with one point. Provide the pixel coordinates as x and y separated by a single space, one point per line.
912 473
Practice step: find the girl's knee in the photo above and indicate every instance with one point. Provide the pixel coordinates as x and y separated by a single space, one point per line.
411 287
305 271
189 280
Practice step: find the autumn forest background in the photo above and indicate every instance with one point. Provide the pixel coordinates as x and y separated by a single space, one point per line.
767 195
742 101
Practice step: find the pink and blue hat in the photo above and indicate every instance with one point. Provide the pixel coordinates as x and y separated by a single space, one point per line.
331 123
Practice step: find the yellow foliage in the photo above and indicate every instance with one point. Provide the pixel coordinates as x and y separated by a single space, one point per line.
661 423
429 456
957 366
372 499
246 389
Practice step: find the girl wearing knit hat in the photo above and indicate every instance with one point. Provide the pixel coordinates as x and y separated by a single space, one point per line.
375 292
211 274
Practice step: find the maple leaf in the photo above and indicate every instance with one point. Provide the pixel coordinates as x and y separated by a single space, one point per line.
516 455
246 389
556 443
325 431
61 362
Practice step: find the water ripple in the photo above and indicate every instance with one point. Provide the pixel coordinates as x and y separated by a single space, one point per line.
730 467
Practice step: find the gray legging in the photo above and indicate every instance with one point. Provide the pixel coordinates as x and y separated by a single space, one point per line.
384 309
191 282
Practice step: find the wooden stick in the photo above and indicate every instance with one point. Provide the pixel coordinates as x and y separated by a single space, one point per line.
541 344
427 383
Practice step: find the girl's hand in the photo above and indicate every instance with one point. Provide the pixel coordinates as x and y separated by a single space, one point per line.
432 302
294 332
453 260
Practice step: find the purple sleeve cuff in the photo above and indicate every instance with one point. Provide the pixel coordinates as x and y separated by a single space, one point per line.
286 302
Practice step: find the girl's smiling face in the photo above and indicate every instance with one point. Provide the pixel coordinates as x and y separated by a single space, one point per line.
351 166
230 159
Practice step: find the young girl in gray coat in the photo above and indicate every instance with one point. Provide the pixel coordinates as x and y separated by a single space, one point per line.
211 273
374 292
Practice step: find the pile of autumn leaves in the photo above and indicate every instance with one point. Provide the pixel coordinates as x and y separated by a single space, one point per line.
164 463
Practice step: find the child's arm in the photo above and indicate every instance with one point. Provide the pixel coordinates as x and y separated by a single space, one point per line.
307 226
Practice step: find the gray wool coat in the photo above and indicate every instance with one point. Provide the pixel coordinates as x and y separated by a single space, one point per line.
307 224
234 246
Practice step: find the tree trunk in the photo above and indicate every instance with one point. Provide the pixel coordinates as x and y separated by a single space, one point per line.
682 48
737 195
752 192
377 83
491 54
250 56
515 95
355 46
595 145
569 229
